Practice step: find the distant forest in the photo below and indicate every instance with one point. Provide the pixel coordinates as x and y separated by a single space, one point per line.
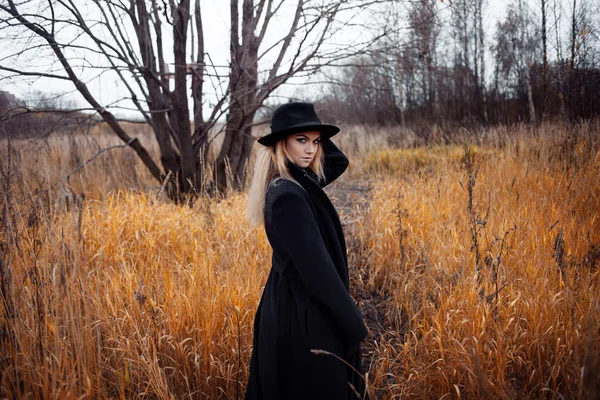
545 57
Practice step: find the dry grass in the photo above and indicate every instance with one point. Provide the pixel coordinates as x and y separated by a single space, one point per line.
124 295
450 338
143 297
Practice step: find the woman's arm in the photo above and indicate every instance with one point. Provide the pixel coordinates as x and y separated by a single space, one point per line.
335 162
293 221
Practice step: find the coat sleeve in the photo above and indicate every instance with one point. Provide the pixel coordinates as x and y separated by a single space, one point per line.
335 162
294 223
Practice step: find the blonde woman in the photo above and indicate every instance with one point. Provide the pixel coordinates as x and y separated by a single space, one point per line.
306 302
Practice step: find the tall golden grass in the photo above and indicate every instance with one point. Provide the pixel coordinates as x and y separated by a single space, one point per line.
124 295
451 336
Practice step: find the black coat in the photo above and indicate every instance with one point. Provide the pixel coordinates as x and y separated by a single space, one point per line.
306 302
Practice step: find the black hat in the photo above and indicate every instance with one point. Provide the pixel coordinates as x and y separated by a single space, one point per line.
295 118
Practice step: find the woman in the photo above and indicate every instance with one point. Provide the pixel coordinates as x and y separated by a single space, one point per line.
306 302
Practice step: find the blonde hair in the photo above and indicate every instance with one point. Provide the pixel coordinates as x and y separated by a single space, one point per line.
270 162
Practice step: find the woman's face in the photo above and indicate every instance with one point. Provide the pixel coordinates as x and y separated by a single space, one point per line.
303 146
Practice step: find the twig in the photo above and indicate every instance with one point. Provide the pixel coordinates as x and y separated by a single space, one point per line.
319 351
97 154
84 164
164 184
553 225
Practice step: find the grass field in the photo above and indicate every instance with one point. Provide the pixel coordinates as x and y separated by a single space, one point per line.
489 271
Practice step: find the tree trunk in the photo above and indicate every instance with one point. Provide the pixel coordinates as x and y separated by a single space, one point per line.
544 60
230 168
572 61
168 155
400 68
482 62
530 95
231 162
200 136
524 58
187 175
560 67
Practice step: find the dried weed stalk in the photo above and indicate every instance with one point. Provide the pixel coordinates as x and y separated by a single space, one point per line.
475 221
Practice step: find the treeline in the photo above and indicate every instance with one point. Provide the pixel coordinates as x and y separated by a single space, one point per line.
46 114
542 61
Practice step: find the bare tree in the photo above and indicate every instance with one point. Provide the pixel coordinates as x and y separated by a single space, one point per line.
526 62
461 24
132 37
424 31
560 66
583 66
544 15
480 39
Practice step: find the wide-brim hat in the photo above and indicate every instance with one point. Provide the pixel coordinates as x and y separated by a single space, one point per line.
296 117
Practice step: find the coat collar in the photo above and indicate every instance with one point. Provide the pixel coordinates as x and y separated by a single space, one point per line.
302 175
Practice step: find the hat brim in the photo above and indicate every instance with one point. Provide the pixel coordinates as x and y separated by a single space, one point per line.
326 130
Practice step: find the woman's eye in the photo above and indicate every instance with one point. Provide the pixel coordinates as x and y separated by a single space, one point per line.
302 140
317 141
